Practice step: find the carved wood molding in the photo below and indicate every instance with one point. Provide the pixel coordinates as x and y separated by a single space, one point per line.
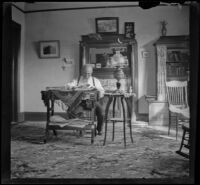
161 74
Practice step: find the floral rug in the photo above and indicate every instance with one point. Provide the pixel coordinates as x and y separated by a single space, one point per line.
151 155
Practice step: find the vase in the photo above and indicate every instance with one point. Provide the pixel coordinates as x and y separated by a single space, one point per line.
118 75
164 31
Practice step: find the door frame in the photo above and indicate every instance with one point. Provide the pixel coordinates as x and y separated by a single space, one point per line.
16 43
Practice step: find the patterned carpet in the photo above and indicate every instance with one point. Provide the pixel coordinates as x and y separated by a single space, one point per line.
151 155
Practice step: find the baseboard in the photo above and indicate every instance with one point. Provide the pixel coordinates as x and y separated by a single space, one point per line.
142 117
39 116
42 116
20 117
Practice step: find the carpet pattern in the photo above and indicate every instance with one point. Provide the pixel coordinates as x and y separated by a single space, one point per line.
151 155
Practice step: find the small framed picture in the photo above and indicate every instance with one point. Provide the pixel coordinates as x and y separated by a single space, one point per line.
49 49
98 65
129 30
107 25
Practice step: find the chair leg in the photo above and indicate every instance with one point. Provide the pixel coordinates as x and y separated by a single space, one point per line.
181 146
113 134
46 136
92 135
182 141
55 133
131 132
176 126
95 130
170 120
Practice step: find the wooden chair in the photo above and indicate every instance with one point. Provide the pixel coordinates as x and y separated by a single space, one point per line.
185 142
177 96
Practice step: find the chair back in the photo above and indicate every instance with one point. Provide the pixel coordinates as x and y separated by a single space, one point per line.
177 94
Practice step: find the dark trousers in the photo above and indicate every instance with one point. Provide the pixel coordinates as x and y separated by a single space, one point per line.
99 115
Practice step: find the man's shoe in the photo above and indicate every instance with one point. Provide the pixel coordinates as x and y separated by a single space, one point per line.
99 133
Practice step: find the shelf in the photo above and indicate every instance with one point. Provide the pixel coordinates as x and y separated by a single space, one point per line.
182 78
182 62
108 72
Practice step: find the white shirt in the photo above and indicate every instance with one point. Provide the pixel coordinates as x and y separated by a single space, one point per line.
83 81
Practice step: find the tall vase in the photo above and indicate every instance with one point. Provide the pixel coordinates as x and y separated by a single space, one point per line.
164 31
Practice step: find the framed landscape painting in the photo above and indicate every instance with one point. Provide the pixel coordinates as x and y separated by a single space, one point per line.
49 49
107 25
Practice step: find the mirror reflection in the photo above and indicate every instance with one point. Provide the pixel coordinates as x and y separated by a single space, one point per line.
108 57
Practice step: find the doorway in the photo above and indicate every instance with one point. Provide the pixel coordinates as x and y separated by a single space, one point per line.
16 38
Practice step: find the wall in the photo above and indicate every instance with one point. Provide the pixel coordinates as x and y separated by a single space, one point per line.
19 17
68 26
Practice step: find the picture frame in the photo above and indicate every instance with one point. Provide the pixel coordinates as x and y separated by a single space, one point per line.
107 25
49 49
129 30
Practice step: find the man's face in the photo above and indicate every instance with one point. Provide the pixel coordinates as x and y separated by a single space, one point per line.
87 72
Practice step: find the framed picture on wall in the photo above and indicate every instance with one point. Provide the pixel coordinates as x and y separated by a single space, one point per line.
107 25
49 49
129 30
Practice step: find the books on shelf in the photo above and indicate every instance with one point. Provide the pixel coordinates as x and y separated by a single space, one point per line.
176 70
177 56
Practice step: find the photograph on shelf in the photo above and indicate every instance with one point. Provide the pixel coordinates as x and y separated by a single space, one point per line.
129 30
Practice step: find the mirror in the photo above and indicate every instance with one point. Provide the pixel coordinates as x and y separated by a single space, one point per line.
108 57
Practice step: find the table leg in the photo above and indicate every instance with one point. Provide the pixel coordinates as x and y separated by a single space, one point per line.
114 102
124 120
46 135
106 116
129 111
55 133
92 135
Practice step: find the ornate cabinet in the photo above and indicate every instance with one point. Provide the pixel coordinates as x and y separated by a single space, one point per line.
172 64
172 61
105 53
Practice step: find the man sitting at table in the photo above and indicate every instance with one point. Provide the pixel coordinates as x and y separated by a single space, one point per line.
87 80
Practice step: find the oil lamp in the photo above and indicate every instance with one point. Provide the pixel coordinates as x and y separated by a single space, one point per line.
118 75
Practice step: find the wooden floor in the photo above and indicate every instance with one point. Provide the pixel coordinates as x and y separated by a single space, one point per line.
151 155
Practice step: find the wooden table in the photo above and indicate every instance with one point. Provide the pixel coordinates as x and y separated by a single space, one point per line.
49 97
112 97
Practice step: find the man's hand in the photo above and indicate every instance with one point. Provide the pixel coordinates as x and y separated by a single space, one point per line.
127 95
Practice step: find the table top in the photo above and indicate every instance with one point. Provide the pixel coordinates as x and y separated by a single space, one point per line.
118 93
64 89
68 96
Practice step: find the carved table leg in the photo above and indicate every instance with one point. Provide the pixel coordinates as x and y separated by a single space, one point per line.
106 116
124 120
114 102
129 112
